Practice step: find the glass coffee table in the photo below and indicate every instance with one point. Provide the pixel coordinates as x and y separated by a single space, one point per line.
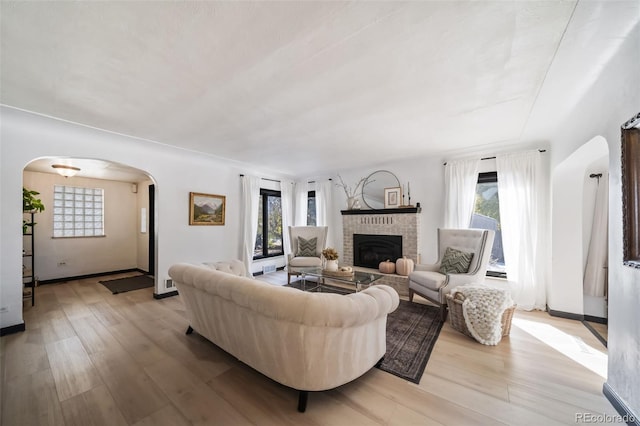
358 280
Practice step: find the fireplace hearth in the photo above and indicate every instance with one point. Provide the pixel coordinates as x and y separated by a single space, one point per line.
370 250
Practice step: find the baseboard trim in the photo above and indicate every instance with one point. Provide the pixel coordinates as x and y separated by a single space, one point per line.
256 274
82 277
17 328
165 295
595 333
598 320
621 407
567 315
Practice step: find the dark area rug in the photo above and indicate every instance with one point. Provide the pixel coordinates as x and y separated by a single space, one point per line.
123 285
412 331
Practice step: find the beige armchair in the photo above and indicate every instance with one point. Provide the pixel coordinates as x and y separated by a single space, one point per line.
434 282
307 255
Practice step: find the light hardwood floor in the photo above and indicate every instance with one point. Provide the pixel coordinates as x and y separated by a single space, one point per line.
92 358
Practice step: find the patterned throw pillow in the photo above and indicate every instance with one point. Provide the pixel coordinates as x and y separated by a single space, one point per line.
455 261
307 248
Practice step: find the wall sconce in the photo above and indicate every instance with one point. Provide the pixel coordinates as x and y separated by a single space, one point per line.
66 171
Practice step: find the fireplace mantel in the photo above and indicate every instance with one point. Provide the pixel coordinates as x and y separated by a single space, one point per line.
382 211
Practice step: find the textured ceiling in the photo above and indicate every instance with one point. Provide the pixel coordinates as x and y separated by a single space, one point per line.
302 87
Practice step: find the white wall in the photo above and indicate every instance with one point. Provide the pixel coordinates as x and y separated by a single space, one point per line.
176 172
69 257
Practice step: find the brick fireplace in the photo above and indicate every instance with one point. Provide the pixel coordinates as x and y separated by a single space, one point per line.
403 222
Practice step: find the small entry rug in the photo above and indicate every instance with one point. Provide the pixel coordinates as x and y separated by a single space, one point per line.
122 285
412 331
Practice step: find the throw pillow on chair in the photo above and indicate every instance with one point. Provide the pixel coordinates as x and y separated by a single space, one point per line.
455 261
307 248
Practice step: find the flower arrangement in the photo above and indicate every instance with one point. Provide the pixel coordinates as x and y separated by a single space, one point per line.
330 253
351 193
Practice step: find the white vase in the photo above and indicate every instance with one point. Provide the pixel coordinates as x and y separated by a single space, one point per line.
331 265
351 203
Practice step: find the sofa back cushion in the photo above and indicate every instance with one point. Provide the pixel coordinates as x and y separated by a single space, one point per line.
286 303
233 267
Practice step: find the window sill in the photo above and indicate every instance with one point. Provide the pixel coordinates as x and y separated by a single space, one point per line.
271 256
78 236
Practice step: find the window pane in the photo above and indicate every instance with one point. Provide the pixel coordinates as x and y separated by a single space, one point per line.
486 215
311 211
274 240
71 218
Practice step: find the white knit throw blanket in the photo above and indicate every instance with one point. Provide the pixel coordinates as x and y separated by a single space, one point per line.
482 309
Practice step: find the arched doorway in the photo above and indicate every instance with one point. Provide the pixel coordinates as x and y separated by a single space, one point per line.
575 182
126 241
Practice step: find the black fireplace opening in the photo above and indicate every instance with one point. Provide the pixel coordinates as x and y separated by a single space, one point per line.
370 250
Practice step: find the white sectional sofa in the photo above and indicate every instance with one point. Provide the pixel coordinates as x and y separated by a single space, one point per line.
307 341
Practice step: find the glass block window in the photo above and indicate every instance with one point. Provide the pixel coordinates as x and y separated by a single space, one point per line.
78 212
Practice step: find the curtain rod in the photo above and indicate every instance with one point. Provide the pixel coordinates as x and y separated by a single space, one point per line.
275 180
494 157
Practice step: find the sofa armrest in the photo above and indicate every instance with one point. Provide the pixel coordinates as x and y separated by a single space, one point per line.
461 279
455 280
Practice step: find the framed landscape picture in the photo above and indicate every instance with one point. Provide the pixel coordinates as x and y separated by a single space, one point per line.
206 209
392 198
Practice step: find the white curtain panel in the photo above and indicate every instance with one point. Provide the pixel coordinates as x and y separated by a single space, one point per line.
595 273
324 207
250 201
523 191
460 179
301 195
286 198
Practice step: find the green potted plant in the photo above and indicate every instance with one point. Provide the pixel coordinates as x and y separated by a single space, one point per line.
30 204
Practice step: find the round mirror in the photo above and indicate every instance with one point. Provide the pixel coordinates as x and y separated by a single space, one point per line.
374 185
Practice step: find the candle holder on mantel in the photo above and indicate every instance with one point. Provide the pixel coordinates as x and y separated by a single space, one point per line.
408 205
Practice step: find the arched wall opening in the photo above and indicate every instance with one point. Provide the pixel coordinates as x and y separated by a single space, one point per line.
571 215
128 241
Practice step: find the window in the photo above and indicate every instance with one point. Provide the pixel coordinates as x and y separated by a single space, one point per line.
78 212
269 238
486 215
311 208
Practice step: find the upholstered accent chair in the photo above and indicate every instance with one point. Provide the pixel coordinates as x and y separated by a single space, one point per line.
463 256
303 250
